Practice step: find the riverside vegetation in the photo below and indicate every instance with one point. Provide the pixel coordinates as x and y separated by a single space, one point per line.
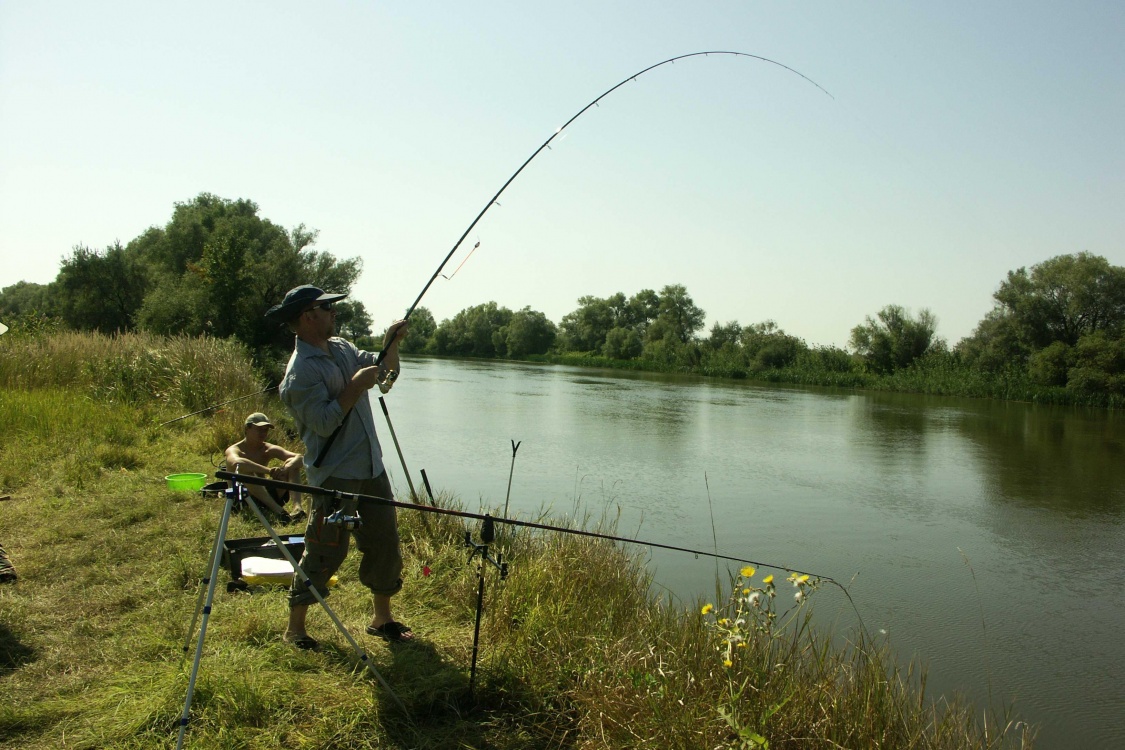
1055 335
577 652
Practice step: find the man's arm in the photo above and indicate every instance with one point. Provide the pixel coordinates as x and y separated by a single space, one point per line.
240 464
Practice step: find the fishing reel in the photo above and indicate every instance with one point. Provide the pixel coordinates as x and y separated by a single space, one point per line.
339 518
386 380
487 536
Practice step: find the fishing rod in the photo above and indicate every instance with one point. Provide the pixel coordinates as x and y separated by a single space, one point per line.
546 144
487 518
216 406
493 200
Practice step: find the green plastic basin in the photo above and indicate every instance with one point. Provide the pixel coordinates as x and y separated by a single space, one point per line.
190 482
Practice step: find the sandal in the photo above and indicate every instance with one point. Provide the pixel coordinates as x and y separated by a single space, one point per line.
393 632
304 642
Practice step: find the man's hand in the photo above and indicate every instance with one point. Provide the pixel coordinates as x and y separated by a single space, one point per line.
395 333
366 377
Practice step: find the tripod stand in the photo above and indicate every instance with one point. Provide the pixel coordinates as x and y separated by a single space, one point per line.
238 492
487 535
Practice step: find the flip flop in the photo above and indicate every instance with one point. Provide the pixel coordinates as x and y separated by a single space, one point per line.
305 643
394 632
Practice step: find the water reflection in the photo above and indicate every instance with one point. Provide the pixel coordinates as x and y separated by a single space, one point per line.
977 533
1059 459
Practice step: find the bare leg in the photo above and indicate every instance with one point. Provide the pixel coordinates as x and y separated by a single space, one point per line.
294 476
383 614
263 497
296 627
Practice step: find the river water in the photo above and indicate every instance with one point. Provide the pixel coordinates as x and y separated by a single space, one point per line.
985 538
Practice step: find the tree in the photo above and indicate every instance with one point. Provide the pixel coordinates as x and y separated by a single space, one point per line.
529 332
422 327
585 329
725 336
25 298
623 343
1049 365
470 332
352 320
893 339
1099 365
217 266
101 291
994 345
1063 299
767 347
678 316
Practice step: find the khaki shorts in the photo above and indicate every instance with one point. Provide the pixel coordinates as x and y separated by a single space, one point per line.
326 545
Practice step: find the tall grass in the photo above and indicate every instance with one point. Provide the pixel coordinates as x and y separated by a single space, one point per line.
576 651
129 368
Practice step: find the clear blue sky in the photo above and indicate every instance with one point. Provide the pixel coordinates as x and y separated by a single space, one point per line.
964 140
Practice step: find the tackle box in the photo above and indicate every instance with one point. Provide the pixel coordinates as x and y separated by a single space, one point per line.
236 550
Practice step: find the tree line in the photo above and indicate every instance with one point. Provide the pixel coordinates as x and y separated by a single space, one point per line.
1055 333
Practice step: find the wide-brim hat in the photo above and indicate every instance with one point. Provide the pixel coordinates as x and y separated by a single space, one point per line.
298 299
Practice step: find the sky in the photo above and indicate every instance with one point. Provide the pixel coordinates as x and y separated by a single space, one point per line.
961 140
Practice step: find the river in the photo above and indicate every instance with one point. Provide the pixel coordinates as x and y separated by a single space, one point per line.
984 538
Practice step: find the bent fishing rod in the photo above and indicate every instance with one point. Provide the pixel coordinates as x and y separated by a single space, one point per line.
490 519
546 144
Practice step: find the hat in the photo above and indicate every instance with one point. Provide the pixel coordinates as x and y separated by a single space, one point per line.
298 299
257 419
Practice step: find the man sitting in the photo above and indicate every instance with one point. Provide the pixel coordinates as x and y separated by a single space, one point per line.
252 456
7 570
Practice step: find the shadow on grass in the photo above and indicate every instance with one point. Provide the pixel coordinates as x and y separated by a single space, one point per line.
13 653
443 713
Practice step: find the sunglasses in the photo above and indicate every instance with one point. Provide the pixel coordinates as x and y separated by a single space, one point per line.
326 306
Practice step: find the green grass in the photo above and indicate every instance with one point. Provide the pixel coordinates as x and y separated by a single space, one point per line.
576 651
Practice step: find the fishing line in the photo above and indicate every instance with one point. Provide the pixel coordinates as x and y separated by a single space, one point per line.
458 268
546 144
494 200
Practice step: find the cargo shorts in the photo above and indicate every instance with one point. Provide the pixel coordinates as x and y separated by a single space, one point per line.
326 545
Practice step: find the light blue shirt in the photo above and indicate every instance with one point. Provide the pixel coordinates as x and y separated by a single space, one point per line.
312 383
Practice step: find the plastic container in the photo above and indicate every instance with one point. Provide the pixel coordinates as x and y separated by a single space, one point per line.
190 482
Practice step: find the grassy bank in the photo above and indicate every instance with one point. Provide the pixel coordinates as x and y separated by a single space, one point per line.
576 651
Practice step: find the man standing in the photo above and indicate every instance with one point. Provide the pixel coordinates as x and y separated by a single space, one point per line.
252 456
325 388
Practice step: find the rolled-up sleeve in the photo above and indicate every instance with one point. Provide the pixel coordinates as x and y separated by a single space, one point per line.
314 380
310 403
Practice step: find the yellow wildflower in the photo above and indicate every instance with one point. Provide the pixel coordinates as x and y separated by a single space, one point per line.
745 592
748 571
706 609
727 663
768 579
